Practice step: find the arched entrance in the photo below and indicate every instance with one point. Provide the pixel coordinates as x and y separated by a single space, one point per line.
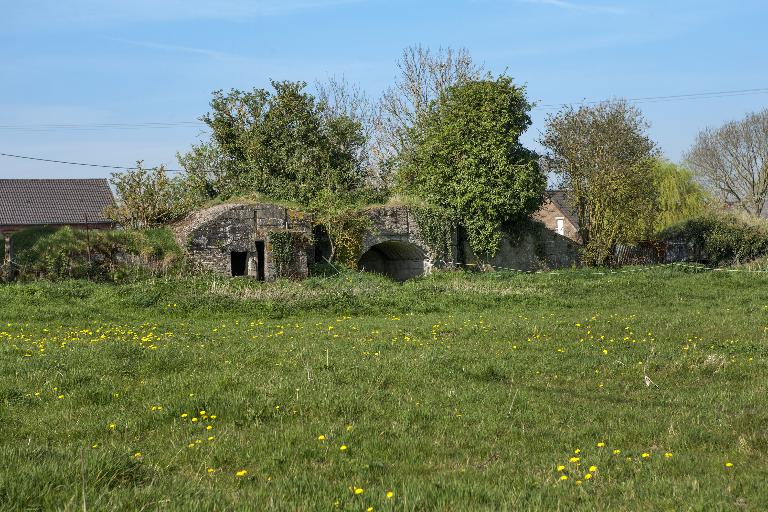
397 260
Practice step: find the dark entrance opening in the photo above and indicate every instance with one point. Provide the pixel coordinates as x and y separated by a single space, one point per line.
260 260
239 263
395 259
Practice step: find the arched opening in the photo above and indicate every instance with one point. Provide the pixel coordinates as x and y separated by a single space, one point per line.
397 260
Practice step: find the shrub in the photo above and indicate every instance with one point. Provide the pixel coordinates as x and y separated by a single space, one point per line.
101 255
722 239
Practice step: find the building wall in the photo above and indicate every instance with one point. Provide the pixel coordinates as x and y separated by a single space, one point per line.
548 215
530 246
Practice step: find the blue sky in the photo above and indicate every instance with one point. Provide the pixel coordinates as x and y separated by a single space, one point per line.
90 62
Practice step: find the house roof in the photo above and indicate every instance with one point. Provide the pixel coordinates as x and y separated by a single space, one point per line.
34 202
560 199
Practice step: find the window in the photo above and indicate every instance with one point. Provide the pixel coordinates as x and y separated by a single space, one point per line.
560 229
239 263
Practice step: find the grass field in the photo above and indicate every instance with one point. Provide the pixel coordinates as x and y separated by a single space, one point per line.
453 392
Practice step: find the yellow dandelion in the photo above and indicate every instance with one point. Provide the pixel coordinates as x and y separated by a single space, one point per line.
137 455
592 469
563 477
321 437
194 420
587 476
560 467
211 438
369 509
729 464
574 459
600 444
578 482
184 415
242 472
646 455
577 451
211 470
668 455
343 447
358 490
112 426
616 452
208 427
202 413
390 494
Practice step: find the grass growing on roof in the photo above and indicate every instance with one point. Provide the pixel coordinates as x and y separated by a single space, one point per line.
452 392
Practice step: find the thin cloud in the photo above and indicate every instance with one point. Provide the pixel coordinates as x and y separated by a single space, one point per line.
181 49
565 4
98 11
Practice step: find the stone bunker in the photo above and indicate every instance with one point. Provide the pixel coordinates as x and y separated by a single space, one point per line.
267 241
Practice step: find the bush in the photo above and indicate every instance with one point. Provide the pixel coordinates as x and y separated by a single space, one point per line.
115 255
722 239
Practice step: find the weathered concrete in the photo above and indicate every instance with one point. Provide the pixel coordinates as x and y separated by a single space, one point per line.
234 239
394 246
217 237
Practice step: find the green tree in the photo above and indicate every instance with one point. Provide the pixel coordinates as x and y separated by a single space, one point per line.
605 158
467 158
283 144
148 197
679 197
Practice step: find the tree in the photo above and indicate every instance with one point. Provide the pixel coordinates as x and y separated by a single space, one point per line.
604 156
732 161
423 77
148 198
283 144
467 158
679 197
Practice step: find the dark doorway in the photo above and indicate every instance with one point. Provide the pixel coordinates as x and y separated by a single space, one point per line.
395 259
239 263
260 260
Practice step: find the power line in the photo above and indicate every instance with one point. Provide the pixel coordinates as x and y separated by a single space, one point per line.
82 164
668 98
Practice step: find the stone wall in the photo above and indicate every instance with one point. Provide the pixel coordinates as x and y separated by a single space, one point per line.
217 237
530 246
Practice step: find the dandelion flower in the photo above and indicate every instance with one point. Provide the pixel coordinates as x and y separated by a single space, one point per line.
321 437
645 455
184 415
616 452
242 472
208 427
729 464
563 477
668 455
577 451
112 426
574 459
587 476
369 509
137 455
600 444
343 448
211 438
390 494
358 490
560 467
592 469
211 470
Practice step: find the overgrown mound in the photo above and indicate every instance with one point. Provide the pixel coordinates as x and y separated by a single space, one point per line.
112 255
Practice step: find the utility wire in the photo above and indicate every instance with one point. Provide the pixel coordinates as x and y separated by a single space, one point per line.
83 164
668 98
53 127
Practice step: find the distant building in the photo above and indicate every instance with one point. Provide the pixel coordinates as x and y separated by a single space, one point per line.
558 215
28 203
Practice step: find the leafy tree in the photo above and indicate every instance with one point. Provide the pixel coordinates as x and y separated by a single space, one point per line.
732 161
423 77
284 144
148 198
605 157
679 197
467 158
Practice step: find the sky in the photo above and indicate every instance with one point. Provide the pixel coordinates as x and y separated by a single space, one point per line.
124 80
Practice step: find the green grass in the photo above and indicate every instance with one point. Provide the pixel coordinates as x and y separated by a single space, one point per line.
455 392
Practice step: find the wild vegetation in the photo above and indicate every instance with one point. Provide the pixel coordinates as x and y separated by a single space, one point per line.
503 391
